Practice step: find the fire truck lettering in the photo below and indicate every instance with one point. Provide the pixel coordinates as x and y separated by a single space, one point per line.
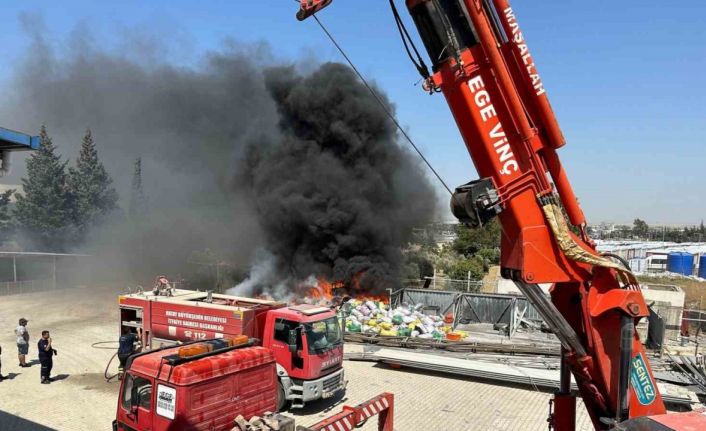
330 362
191 316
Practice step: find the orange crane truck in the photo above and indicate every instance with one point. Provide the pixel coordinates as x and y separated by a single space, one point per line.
482 65
224 384
305 340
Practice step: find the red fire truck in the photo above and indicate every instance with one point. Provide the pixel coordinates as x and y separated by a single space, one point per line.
224 384
305 340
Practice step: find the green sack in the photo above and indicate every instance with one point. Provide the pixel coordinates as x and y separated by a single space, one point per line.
397 319
404 332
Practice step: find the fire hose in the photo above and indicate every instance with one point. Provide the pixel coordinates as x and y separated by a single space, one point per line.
99 345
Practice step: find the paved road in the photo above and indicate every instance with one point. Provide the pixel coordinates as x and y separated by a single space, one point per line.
82 400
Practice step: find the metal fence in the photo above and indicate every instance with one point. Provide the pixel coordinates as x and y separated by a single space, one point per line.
26 286
472 307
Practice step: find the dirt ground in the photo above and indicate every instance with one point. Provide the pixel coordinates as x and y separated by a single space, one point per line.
83 400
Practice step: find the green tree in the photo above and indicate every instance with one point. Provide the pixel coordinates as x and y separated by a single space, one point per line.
640 228
44 210
7 226
470 242
138 204
91 188
460 268
417 265
410 271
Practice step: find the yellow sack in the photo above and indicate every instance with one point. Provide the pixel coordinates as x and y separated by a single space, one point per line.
388 333
386 325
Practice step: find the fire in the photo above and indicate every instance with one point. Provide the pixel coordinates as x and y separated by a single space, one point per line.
324 291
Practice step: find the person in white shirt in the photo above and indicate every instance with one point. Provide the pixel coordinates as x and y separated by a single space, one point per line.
22 342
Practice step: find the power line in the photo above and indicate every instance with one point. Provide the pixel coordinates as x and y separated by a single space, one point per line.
382 104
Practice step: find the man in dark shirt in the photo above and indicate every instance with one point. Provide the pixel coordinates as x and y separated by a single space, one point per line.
126 346
46 353
1 376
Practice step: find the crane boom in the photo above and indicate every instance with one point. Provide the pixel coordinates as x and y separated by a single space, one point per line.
483 66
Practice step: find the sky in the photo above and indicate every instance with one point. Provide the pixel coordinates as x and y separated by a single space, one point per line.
625 80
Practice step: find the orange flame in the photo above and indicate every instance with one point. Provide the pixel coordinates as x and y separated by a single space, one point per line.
323 291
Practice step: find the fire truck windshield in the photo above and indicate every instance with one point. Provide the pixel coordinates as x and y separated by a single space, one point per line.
323 335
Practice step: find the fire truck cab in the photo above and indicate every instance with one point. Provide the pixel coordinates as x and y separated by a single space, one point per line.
307 344
305 340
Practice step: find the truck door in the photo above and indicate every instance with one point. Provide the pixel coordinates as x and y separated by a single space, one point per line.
280 345
136 404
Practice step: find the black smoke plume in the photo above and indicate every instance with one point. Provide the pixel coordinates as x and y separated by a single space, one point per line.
241 157
336 196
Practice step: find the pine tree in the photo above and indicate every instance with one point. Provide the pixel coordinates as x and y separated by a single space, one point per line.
6 222
43 212
138 204
90 186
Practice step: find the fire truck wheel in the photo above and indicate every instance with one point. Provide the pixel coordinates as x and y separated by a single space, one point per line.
282 402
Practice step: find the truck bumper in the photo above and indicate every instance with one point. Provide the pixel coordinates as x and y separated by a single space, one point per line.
324 387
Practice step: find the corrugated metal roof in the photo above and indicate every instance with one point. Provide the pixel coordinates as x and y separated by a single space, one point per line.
653 246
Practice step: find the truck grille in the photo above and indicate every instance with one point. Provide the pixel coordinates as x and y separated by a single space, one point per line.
331 383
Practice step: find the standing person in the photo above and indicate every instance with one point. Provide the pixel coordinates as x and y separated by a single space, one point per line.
22 341
1 376
46 353
126 346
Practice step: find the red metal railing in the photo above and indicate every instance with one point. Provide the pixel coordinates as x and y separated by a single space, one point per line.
354 417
